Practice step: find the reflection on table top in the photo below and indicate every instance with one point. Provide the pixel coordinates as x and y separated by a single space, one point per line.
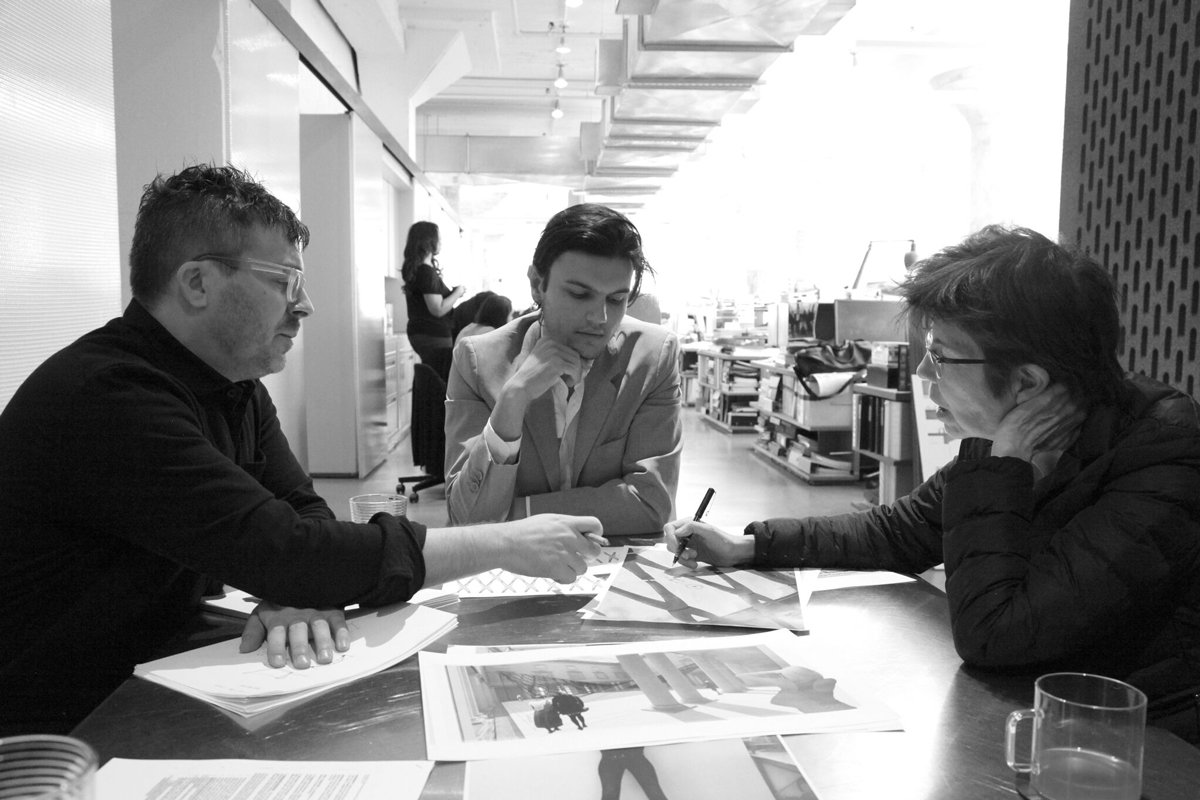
897 637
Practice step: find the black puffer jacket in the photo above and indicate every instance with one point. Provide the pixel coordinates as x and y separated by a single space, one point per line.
1095 567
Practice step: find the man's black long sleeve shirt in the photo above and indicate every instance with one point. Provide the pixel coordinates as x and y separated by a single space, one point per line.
131 473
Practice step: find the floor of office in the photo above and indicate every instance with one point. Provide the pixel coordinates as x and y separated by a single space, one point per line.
747 487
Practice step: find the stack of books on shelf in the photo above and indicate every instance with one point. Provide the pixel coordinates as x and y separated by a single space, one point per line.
804 455
741 380
769 392
889 367
794 445
741 376
773 437
884 427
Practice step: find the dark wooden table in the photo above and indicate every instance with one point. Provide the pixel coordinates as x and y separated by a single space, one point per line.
896 636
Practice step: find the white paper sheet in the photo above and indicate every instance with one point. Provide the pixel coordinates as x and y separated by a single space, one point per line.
236 779
641 693
245 684
827 384
237 603
500 583
824 579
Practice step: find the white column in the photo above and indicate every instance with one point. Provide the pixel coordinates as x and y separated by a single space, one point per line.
647 680
720 674
679 682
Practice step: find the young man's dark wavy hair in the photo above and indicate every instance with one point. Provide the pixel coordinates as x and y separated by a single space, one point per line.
201 209
1025 299
596 230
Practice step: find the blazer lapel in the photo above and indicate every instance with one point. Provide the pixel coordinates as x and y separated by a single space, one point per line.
539 422
599 399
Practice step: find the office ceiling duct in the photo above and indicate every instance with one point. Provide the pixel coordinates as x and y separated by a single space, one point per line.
680 67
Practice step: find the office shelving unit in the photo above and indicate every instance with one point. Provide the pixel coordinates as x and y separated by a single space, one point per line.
728 387
883 435
688 373
808 438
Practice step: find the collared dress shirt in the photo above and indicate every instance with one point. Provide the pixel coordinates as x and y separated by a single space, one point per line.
567 402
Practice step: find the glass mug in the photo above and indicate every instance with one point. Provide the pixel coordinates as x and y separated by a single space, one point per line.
365 506
46 767
1088 735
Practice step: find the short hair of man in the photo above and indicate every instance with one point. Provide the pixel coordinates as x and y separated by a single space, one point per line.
201 209
593 229
423 239
494 311
1025 300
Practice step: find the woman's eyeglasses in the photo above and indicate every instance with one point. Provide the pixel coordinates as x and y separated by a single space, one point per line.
940 360
294 278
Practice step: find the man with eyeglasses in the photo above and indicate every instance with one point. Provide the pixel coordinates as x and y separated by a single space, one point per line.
145 461
1069 523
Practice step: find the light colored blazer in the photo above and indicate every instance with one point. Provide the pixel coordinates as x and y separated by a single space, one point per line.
627 444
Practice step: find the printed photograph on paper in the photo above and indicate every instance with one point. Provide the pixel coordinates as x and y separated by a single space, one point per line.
481 705
649 588
754 768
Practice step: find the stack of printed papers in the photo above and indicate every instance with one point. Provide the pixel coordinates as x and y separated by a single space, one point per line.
244 684
236 603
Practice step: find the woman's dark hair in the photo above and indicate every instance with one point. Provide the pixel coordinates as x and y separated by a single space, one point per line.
1025 300
494 311
422 242
593 229
201 209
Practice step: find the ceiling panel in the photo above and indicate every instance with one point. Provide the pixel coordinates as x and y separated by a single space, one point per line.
643 91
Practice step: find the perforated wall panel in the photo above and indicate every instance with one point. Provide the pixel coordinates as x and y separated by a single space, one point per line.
59 262
1130 194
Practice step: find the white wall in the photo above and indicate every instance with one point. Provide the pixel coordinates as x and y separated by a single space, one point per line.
208 81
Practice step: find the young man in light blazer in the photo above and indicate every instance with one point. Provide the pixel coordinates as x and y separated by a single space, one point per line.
574 408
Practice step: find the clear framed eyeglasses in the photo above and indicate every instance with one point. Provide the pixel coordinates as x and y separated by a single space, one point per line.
293 277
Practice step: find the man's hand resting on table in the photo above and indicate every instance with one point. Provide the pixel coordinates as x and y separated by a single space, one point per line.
285 628
708 544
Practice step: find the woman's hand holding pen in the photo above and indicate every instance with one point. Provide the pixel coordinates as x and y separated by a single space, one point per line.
707 543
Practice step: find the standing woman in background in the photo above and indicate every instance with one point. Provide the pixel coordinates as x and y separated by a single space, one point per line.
429 299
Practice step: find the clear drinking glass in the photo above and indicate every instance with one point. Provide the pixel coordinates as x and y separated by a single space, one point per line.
46 767
1088 736
365 506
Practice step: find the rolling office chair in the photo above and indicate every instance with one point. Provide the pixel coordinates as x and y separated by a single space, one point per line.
428 433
